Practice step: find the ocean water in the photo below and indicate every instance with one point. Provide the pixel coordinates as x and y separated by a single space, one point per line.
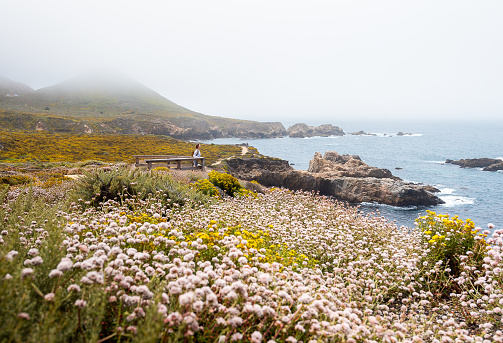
416 157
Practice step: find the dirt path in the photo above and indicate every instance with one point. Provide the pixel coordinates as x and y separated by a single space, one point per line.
244 150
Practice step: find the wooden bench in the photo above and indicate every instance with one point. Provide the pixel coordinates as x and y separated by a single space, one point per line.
139 158
178 160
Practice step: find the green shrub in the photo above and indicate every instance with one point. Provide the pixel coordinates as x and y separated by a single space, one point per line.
225 181
14 180
206 187
449 239
121 184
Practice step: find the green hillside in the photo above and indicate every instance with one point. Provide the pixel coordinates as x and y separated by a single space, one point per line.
118 105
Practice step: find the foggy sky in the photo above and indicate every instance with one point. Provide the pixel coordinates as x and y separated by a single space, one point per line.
311 61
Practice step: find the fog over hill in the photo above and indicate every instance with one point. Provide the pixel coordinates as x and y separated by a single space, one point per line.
11 89
105 103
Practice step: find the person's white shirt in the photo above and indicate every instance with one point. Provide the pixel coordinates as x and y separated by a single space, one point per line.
196 154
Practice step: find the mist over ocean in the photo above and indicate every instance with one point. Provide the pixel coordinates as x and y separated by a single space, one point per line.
468 193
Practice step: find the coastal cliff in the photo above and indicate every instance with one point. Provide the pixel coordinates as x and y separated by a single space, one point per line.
344 177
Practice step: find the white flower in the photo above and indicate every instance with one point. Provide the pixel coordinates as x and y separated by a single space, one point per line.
235 321
55 273
221 321
256 337
65 264
49 296
36 261
80 303
188 257
198 306
23 315
186 298
264 278
73 287
26 272
305 299
11 255
236 337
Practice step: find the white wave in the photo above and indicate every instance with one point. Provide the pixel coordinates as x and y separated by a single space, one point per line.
397 208
446 191
413 135
455 200
379 134
436 162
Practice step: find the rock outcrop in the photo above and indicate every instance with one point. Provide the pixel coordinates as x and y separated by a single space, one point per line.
344 177
488 164
302 130
362 133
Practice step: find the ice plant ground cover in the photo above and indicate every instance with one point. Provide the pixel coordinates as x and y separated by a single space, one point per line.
276 267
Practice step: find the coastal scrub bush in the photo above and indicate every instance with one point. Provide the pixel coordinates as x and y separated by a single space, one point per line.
206 187
14 180
225 181
120 184
449 239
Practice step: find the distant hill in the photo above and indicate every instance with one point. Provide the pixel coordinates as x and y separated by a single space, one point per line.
95 103
12 89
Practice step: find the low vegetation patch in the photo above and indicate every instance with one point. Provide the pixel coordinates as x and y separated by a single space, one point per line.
134 266
18 147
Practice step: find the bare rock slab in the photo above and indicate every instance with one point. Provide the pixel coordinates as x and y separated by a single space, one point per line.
345 177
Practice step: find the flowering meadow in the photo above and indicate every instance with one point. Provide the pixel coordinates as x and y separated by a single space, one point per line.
151 259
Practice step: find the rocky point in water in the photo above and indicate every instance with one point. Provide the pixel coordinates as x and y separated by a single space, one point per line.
488 164
302 130
345 177
362 133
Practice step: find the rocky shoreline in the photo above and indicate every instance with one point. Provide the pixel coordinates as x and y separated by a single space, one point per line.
488 164
344 177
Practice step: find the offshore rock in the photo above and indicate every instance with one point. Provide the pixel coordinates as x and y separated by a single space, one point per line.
362 133
488 164
302 130
494 167
347 178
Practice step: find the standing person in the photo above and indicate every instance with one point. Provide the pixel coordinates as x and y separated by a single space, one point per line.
196 153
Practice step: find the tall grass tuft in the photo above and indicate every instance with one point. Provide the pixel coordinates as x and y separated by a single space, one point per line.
120 184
